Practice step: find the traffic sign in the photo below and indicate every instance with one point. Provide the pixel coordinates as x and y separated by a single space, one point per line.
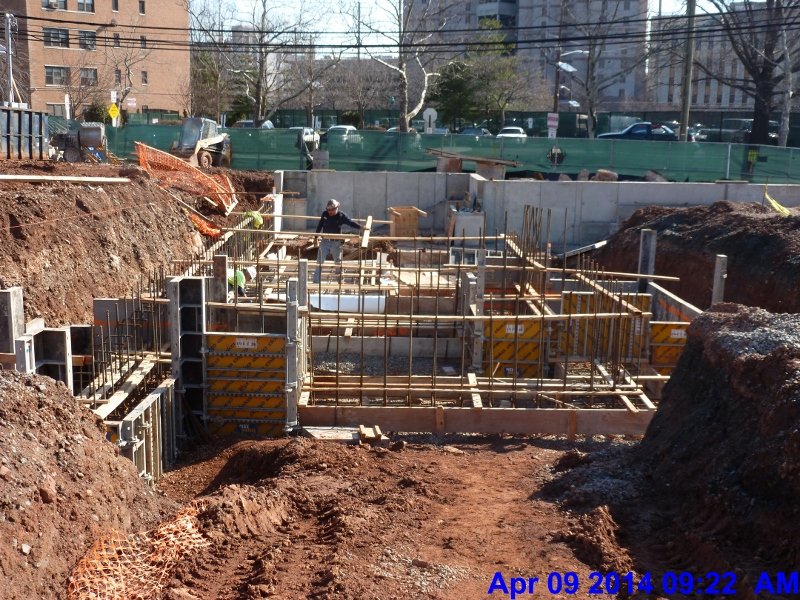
552 120
113 111
429 114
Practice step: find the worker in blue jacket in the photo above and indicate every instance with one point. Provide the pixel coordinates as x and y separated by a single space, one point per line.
331 221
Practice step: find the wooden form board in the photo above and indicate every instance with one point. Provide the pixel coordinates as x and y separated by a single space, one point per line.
440 420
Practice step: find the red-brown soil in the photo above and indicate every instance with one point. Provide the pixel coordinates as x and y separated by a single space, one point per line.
67 242
712 487
763 250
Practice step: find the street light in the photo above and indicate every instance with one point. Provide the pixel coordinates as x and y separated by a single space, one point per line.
563 66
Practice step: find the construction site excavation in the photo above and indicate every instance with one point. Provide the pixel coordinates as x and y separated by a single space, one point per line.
484 391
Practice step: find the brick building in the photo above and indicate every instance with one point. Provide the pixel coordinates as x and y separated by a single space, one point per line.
91 50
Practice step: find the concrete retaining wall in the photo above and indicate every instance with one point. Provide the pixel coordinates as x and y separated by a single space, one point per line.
588 211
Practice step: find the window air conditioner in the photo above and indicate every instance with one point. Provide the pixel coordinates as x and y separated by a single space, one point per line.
52 4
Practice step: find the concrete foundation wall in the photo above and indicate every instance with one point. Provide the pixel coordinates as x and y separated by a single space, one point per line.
372 193
588 211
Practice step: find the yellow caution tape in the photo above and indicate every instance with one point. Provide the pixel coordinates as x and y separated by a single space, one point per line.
776 206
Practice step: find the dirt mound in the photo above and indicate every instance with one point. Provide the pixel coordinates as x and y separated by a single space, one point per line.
714 484
727 432
61 486
763 250
67 242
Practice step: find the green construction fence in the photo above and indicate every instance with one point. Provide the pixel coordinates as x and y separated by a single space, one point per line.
276 149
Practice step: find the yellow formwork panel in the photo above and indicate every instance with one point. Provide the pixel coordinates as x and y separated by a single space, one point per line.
511 329
247 342
667 340
586 336
246 377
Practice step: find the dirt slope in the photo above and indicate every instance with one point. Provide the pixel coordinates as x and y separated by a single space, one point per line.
763 250
66 243
61 486
713 486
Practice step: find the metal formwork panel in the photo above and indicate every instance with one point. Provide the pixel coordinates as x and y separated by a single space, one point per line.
509 344
245 383
624 336
667 340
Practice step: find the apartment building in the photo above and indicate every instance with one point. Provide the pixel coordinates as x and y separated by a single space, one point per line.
70 54
712 48
601 42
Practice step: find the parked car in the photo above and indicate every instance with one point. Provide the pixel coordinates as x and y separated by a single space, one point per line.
642 131
736 131
249 124
346 135
310 137
513 133
476 131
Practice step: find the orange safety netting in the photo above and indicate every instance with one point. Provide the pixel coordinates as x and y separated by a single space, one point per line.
207 228
171 171
136 566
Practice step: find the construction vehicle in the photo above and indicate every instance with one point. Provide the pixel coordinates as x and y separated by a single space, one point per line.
79 142
202 144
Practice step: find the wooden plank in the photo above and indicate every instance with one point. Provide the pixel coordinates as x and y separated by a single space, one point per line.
475 396
130 385
628 404
69 178
536 421
440 426
366 231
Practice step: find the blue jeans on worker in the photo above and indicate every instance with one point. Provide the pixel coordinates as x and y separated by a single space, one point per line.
334 247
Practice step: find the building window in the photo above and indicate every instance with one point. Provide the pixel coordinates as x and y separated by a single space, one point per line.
117 77
143 41
88 77
144 77
86 6
141 7
87 40
62 4
57 110
58 38
115 5
117 42
56 75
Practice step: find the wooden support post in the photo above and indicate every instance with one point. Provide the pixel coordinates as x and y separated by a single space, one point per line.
293 344
720 275
647 257
440 430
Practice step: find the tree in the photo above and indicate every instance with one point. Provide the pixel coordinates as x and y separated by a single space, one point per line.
599 25
502 79
455 94
754 31
410 28
489 80
359 84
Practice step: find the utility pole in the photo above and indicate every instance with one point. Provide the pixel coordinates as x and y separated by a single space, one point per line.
557 91
9 21
686 91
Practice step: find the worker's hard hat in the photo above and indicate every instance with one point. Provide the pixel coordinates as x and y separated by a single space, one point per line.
333 203
251 271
